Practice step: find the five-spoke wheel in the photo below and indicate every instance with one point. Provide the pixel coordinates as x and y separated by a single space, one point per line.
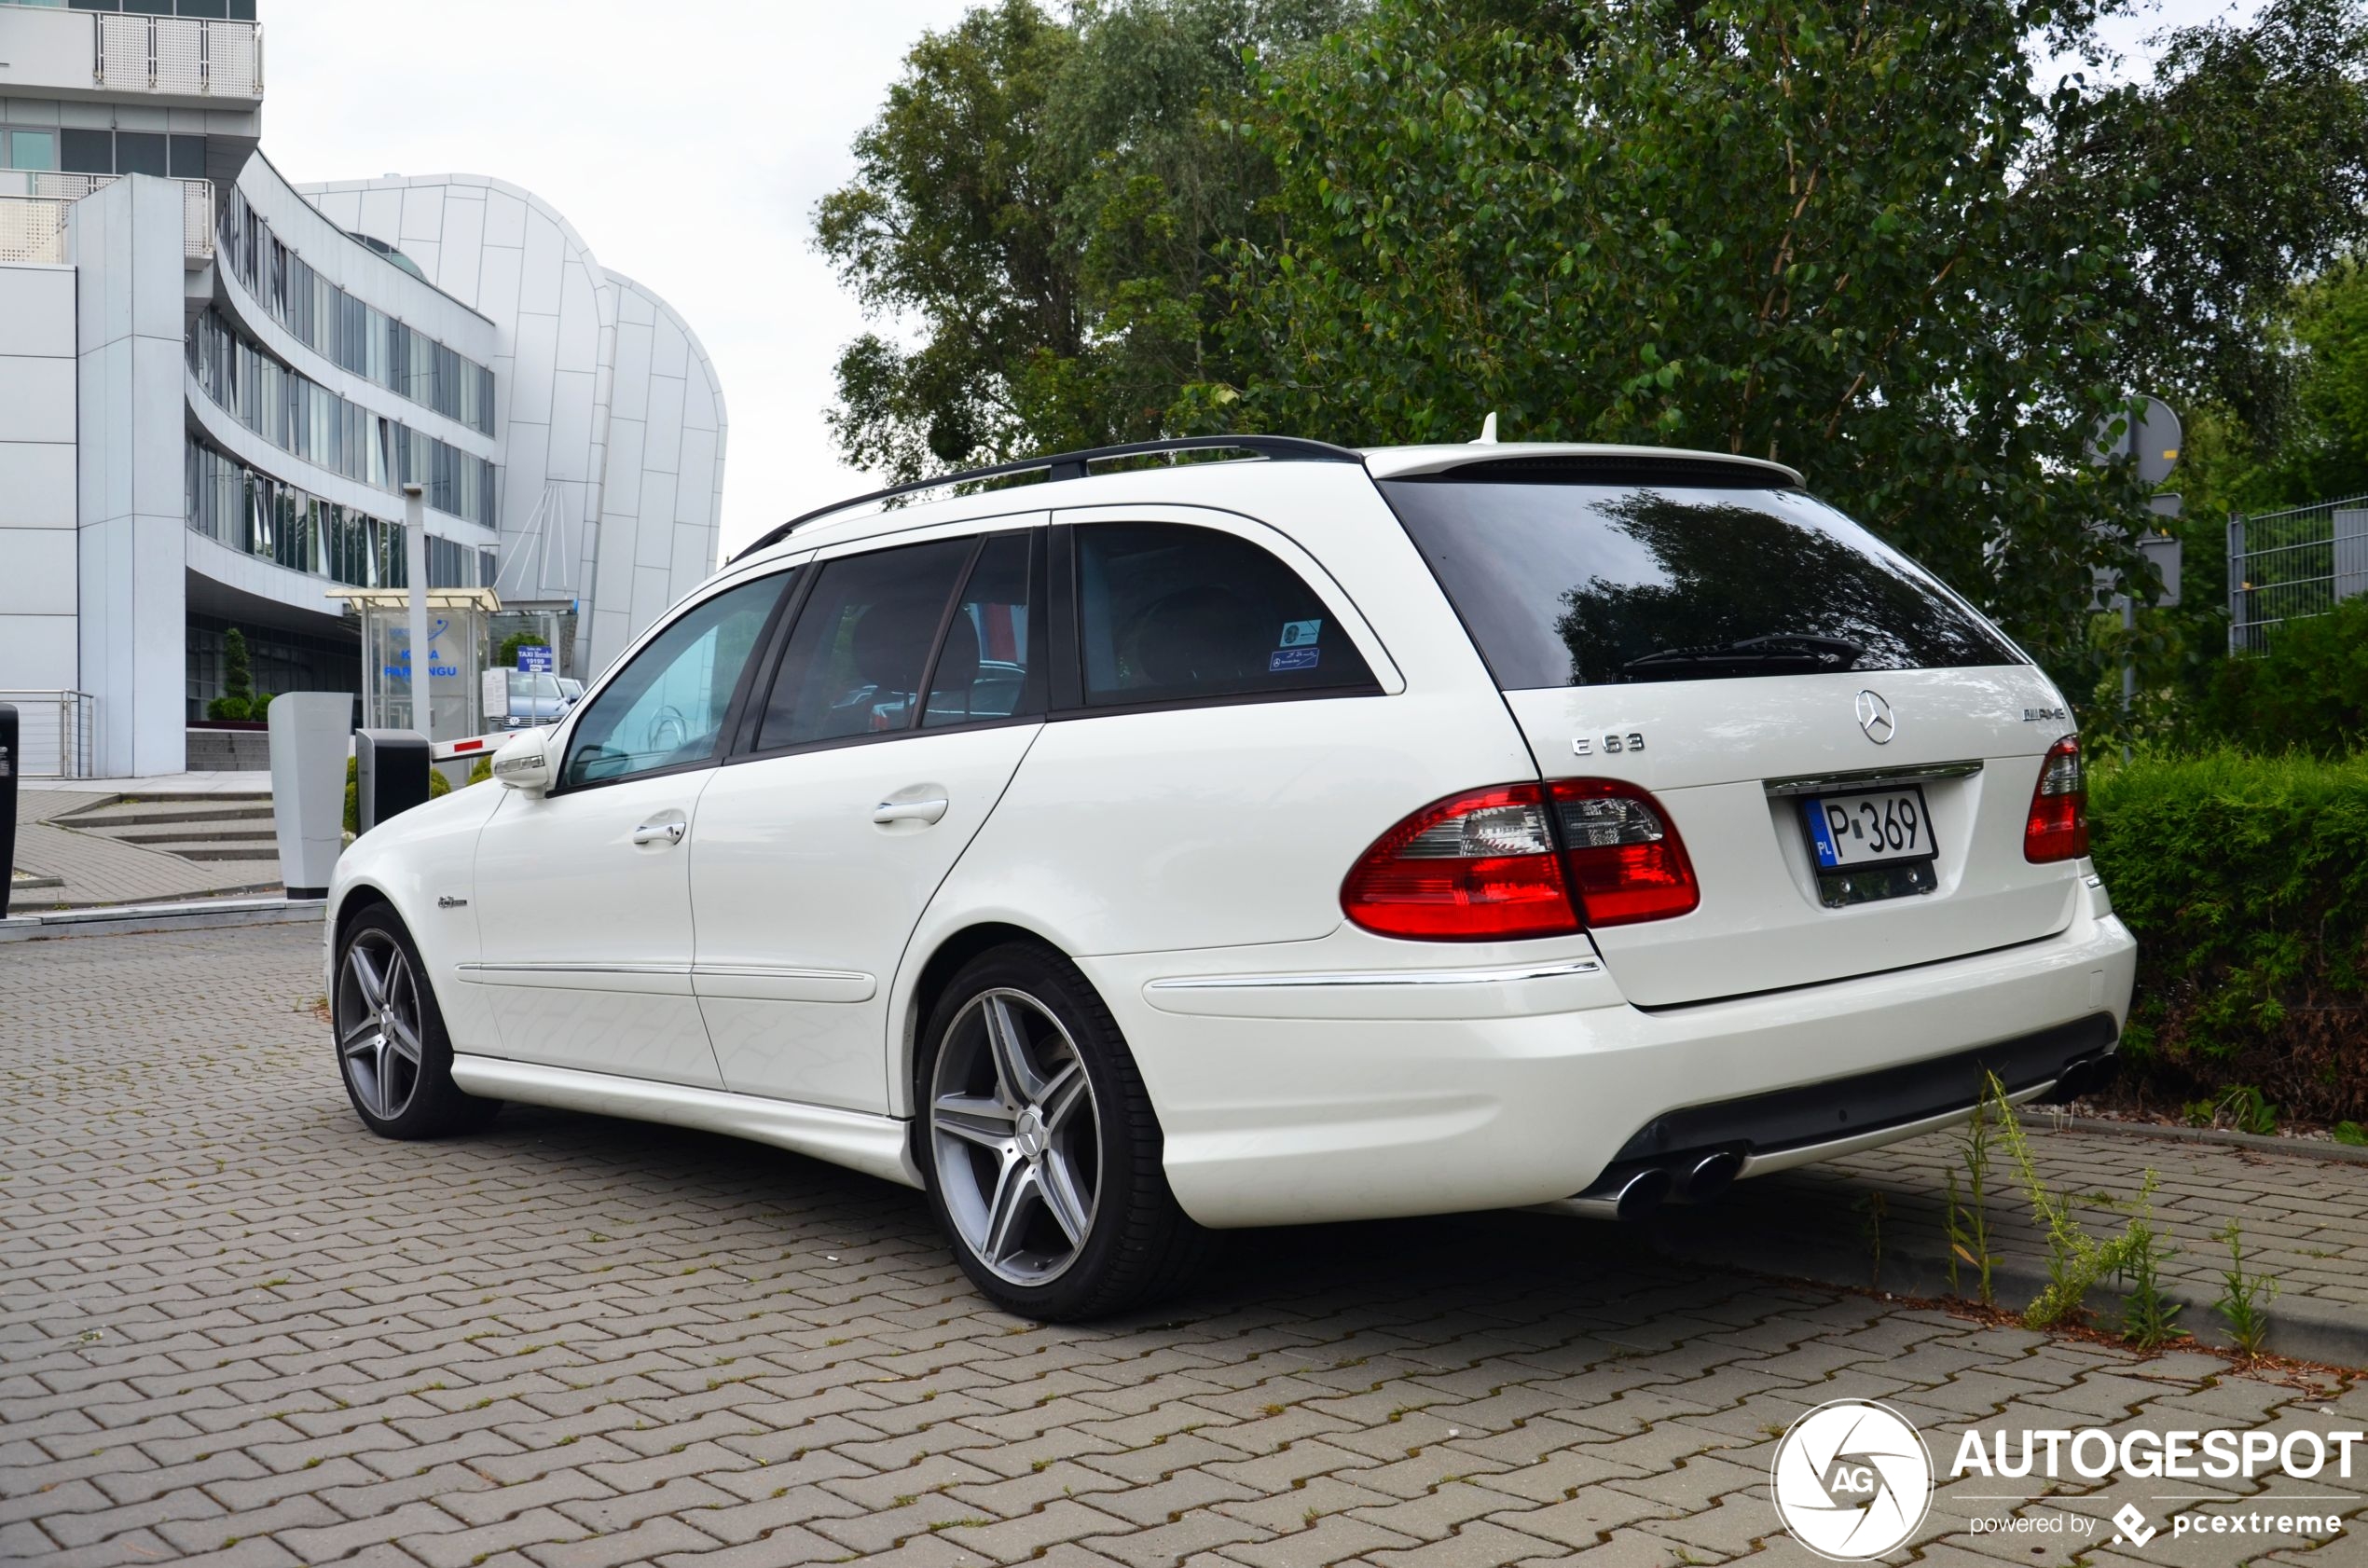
1041 1152
1018 1145
392 1049
378 1014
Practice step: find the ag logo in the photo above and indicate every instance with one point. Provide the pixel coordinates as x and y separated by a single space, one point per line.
1851 1480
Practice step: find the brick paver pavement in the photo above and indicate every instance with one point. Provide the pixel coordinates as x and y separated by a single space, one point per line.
234 1329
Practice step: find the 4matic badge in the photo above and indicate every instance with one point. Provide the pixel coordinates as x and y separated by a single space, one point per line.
1851 1479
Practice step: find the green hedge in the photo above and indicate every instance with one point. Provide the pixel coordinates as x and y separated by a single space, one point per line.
2246 881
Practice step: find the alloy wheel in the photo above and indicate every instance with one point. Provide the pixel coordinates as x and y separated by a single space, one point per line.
377 1022
1017 1137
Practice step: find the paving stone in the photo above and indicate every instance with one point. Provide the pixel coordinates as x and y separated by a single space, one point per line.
650 1314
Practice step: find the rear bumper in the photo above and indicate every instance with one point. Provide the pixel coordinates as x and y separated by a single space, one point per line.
1285 1101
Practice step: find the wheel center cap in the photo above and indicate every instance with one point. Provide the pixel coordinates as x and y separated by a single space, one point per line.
1029 1133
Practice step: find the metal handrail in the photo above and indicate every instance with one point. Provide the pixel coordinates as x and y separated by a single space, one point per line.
1073 465
74 734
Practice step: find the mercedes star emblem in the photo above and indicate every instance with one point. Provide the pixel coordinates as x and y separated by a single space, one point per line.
1874 717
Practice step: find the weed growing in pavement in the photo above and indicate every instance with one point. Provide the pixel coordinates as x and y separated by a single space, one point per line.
2076 1260
1871 1209
2149 1319
2245 1107
2352 1132
2244 1298
1967 1216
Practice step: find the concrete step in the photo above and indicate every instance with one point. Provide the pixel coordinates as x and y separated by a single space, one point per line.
195 833
143 816
256 854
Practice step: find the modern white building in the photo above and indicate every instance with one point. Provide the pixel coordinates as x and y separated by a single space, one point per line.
214 385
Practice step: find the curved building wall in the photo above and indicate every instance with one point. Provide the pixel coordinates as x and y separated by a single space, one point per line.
611 423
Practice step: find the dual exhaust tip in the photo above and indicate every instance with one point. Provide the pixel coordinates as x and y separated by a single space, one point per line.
1636 1190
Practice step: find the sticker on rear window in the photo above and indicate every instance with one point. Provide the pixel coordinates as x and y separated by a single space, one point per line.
1302 634
1293 658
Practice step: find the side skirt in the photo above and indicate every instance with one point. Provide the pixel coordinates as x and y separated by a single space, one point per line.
873 1145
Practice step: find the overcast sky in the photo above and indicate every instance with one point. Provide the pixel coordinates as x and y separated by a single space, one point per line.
687 142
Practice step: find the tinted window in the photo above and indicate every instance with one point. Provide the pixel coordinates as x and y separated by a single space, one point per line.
987 668
856 657
186 154
1168 613
139 152
666 707
87 152
1589 584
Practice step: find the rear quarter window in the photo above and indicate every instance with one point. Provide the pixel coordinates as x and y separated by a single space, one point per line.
1602 584
1169 613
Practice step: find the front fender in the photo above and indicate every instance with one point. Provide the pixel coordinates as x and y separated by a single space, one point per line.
423 865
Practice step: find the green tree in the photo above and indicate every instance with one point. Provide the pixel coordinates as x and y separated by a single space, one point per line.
1041 202
238 700
1856 239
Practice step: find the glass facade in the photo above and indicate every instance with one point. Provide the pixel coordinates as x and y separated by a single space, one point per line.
253 513
342 329
298 415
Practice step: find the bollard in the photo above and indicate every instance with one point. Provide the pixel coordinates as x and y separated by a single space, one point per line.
9 771
390 775
308 733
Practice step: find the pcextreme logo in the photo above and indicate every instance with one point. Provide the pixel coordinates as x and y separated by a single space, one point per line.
1851 1479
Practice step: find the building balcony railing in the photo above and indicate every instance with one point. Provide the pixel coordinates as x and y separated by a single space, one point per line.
32 214
32 228
52 52
185 57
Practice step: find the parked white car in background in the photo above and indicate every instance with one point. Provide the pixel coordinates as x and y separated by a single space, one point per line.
1248 843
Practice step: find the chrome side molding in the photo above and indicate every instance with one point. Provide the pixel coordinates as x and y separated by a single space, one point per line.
1377 977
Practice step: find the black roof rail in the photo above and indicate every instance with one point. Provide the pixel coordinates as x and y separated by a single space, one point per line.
1073 465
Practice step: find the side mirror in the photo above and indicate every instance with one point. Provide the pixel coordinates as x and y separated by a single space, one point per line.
524 762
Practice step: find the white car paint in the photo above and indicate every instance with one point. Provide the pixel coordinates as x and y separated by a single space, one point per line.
1190 859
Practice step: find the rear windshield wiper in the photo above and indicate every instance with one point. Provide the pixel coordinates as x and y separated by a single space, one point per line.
1783 652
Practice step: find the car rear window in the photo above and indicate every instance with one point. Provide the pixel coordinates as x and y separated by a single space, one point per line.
1595 583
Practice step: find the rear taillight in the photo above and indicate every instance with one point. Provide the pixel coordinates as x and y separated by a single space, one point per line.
1485 866
1477 867
2058 826
1626 861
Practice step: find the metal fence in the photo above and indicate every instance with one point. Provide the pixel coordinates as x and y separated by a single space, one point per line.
56 732
2286 566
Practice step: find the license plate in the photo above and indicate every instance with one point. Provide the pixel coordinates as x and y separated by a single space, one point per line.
1869 827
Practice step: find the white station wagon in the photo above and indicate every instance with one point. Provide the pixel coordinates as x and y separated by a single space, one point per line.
1326 836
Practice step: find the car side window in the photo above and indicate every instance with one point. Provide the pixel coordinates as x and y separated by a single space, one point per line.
986 668
1169 613
860 648
666 707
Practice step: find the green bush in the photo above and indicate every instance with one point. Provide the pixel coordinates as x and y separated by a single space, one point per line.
2308 691
437 785
2246 881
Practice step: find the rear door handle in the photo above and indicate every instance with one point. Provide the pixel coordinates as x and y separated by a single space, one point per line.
908 811
653 833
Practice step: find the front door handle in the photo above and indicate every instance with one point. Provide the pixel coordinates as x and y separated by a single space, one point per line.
657 832
908 811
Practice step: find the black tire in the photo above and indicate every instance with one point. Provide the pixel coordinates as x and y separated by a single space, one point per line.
1138 1246
395 1096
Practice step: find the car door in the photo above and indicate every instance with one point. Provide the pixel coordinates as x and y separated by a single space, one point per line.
909 686
584 894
